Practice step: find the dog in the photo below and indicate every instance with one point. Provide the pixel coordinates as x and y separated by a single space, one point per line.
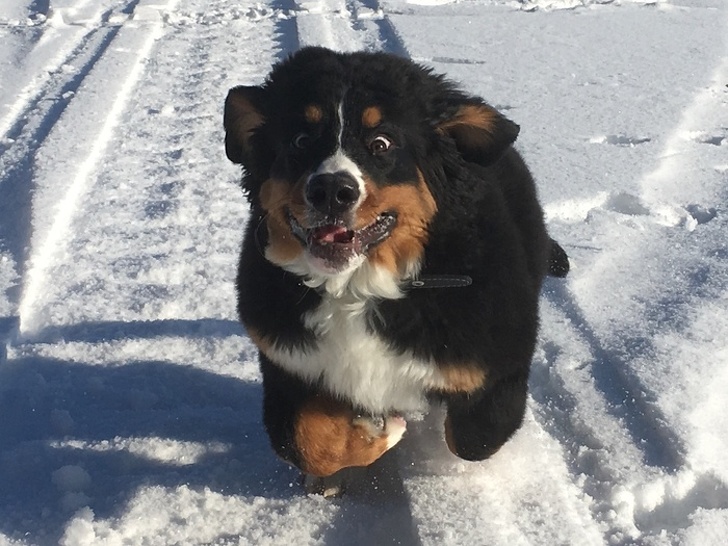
394 256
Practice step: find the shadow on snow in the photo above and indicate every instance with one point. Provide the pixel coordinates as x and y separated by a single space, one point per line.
55 413
44 403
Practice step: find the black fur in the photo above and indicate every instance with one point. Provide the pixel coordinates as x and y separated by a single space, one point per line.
489 226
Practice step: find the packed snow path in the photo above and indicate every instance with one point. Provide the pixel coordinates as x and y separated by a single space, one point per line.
129 394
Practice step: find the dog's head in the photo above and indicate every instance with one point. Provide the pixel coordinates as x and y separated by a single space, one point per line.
343 158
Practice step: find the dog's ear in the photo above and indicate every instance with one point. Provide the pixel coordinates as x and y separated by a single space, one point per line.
480 132
243 115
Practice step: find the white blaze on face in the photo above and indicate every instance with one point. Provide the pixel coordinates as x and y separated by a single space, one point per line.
339 162
340 114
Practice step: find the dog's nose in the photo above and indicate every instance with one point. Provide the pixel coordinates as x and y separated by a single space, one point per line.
332 193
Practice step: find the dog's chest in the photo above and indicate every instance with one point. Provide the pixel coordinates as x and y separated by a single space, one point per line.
352 361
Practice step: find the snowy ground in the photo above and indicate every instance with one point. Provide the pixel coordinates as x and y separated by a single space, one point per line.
129 395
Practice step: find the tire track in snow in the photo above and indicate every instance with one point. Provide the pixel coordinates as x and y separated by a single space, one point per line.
347 25
44 251
633 496
618 382
29 120
171 198
659 445
604 457
672 486
42 32
618 441
46 86
389 38
286 27
168 141
687 192
702 125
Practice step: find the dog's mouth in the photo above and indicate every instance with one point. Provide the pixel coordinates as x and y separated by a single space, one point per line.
336 245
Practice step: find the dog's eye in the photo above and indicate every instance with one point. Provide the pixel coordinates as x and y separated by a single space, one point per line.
380 144
301 140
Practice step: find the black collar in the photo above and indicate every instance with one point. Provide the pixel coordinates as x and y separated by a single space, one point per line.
440 281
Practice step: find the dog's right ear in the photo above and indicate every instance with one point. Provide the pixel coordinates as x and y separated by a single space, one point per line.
243 115
479 131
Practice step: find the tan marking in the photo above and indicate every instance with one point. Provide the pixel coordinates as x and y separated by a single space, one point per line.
263 343
464 378
472 127
415 208
277 196
328 438
475 115
313 113
371 117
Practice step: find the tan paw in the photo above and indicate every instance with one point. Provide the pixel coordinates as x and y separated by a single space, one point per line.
329 436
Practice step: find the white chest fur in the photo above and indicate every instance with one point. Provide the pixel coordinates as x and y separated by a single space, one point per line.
357 364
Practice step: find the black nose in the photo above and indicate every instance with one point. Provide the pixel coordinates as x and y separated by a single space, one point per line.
332 193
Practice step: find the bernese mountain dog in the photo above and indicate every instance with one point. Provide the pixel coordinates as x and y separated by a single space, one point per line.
394 256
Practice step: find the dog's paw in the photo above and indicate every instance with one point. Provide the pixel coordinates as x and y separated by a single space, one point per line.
375 428
336 485
329 437
329 487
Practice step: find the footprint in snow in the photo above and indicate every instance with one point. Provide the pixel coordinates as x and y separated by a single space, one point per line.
626 203
578 210
715 138
701 214
621 140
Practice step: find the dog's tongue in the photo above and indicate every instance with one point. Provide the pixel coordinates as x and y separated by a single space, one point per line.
331 234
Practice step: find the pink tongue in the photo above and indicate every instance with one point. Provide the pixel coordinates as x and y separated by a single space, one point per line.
331 234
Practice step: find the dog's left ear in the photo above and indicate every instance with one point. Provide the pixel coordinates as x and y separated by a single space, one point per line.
243 115
480 132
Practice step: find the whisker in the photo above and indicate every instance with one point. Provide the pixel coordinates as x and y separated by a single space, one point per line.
305 292
255 237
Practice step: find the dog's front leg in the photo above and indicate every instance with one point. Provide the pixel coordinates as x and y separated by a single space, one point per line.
330 436
479 423
317 433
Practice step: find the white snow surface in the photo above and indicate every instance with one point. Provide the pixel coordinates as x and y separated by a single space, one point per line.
129 394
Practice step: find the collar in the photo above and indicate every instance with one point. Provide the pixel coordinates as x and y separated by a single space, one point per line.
440 281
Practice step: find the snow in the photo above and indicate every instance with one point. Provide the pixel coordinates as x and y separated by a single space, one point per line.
129 394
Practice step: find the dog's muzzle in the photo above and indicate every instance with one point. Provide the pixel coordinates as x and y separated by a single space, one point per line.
336 245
